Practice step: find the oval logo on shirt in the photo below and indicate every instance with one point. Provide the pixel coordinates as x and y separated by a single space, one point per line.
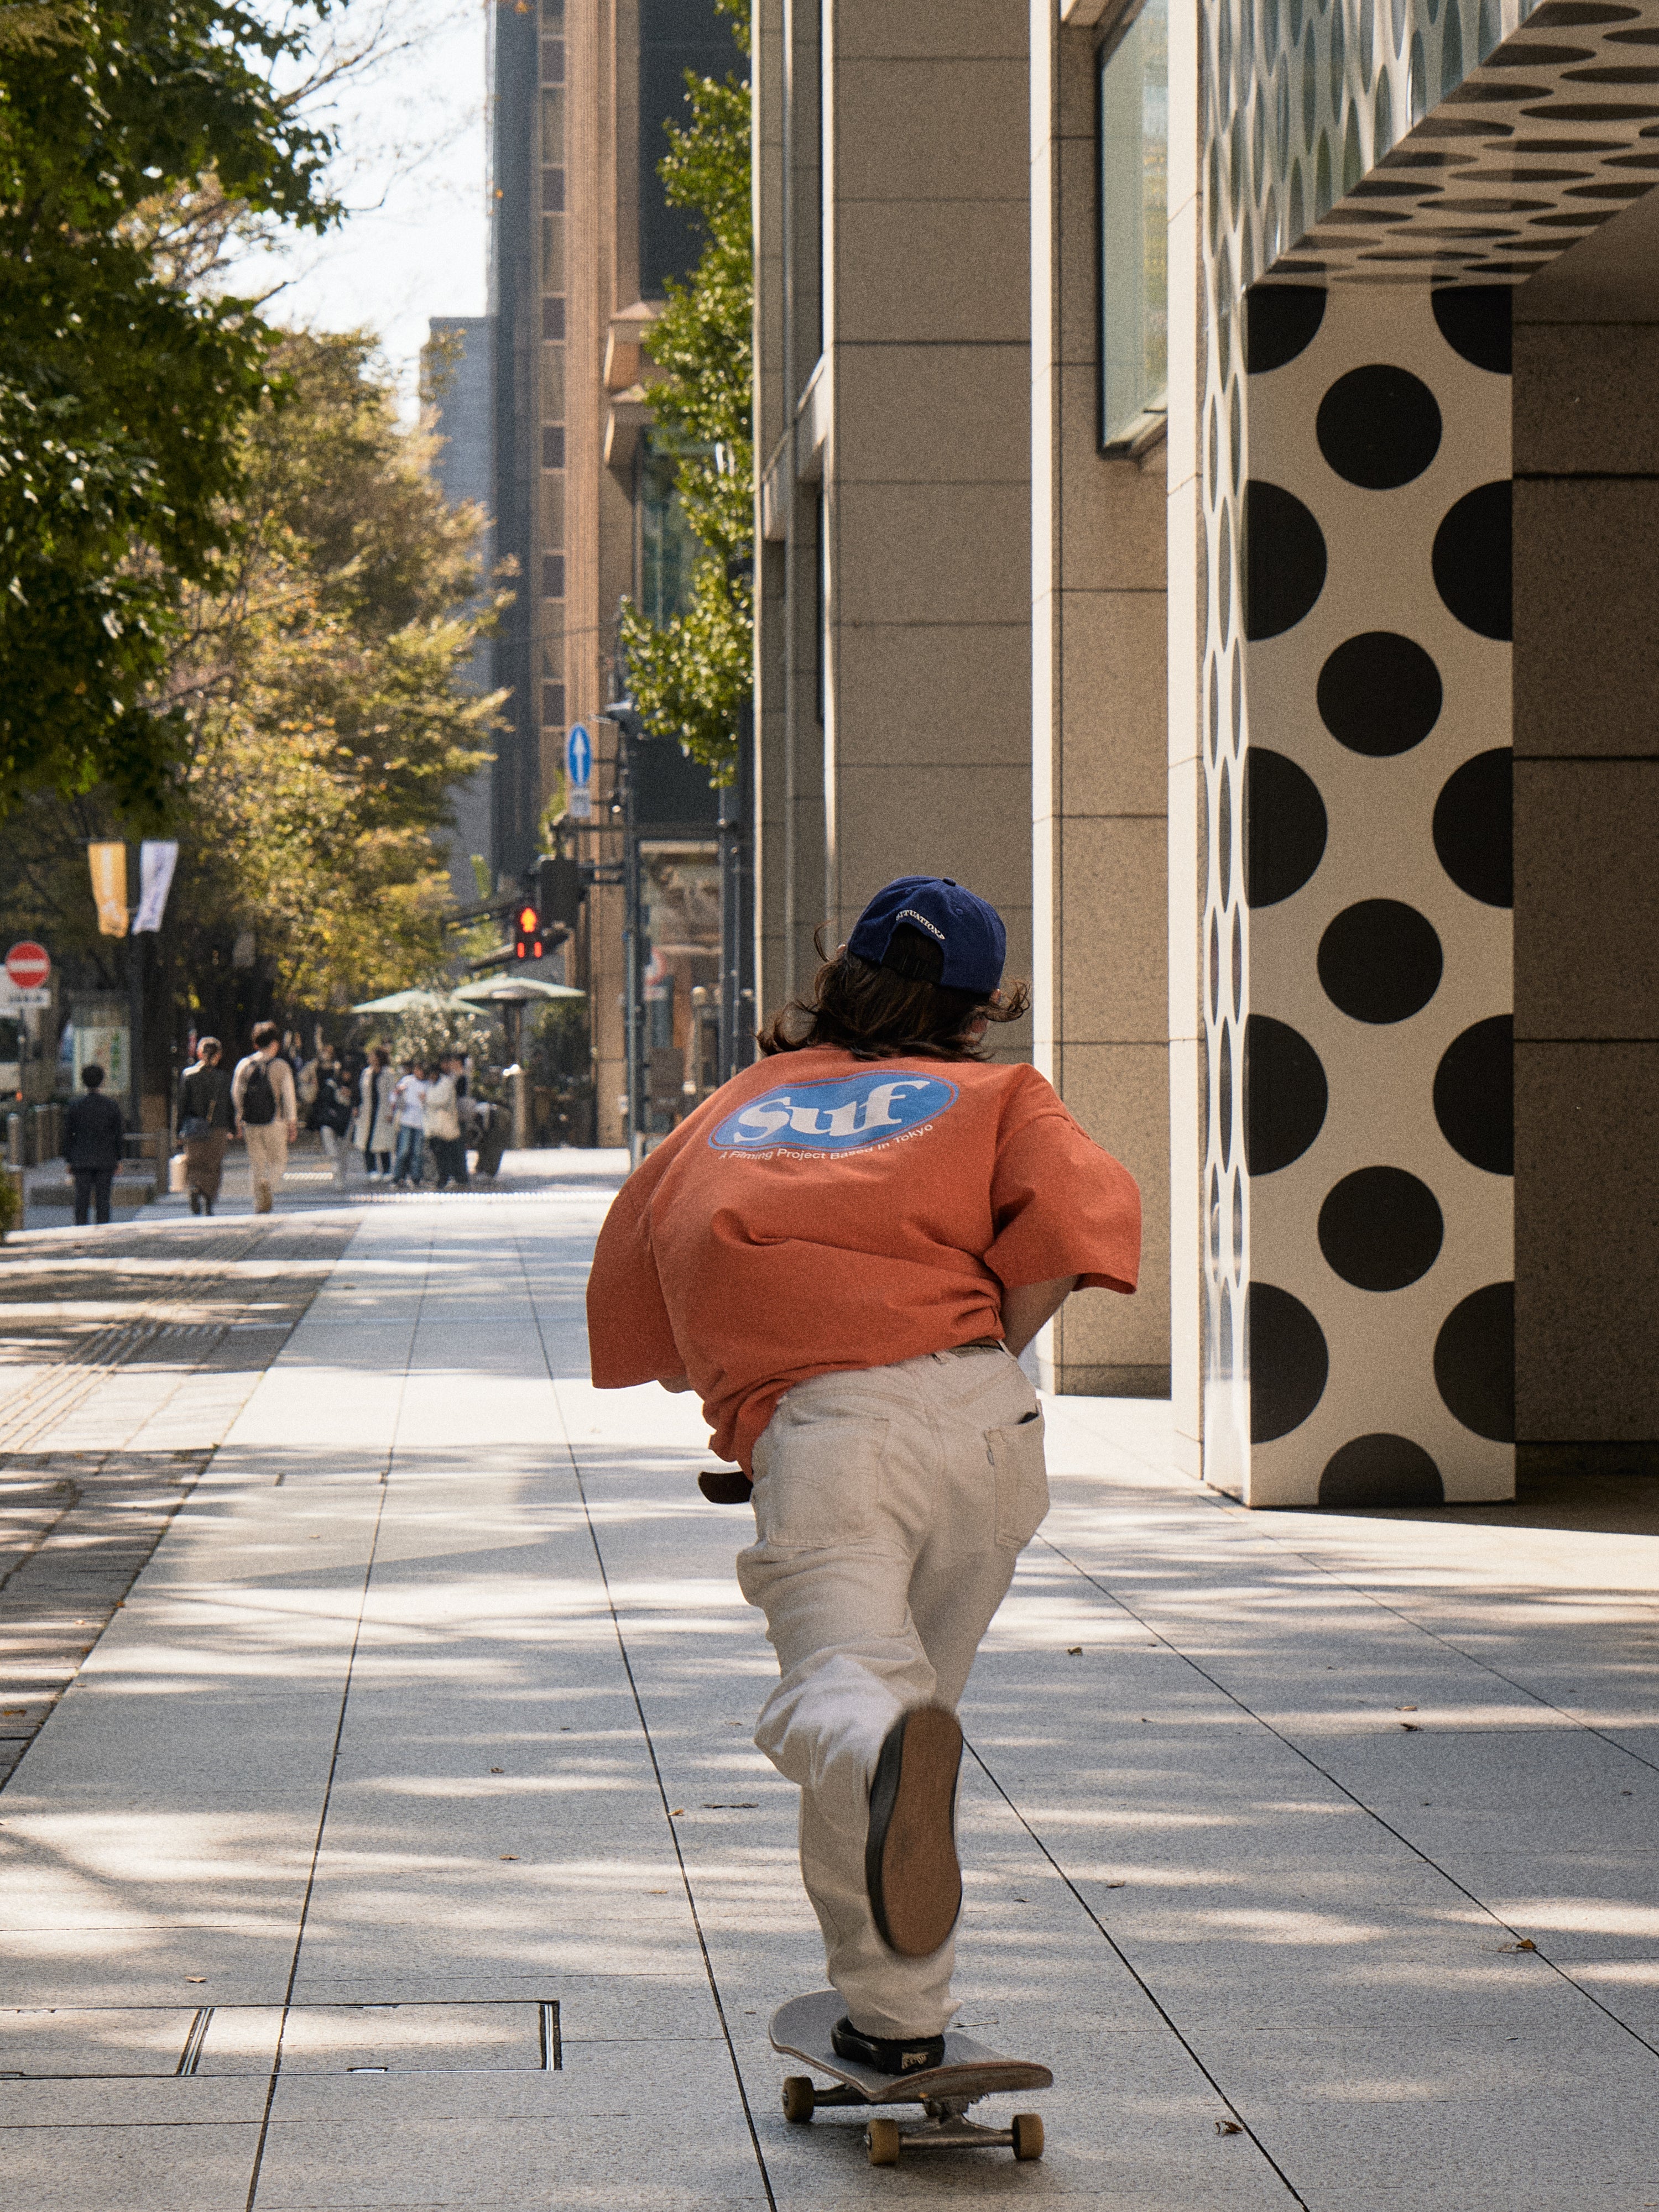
841 1116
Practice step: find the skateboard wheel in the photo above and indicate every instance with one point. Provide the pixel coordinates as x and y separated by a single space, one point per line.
882 2139
1028 2134
800 2099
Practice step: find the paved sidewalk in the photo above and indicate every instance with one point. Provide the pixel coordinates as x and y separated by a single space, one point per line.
401 1843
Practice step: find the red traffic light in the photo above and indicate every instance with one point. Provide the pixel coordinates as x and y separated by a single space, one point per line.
527 932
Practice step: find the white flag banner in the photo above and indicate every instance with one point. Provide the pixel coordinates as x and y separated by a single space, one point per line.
157 858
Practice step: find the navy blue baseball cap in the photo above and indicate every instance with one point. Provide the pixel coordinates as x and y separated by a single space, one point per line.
966 929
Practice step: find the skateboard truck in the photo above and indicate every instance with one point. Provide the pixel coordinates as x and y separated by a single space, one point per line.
946 2127
971 2071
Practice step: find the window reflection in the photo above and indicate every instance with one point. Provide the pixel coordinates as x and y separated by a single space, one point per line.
1134 127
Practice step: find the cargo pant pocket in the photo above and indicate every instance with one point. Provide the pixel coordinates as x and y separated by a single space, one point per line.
1022 1480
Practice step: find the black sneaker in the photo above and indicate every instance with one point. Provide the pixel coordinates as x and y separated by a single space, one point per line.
887 2054
910 1867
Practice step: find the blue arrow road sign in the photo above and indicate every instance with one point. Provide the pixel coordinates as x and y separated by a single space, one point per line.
579 757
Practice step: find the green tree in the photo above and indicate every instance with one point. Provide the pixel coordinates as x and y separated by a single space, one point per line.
123 394
322 726
691 676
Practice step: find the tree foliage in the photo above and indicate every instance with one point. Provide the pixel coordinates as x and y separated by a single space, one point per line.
321 726
691 676
123 393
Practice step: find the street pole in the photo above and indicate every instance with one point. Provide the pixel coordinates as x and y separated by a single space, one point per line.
634 1008
136 1026
737 1005
513 1023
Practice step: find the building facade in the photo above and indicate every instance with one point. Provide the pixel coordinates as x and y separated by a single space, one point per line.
1207 507
456 371
581 242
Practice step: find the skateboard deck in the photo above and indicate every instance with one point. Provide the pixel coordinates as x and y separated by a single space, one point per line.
801 2029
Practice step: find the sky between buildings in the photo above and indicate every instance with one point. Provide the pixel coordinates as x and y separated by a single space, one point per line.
413 172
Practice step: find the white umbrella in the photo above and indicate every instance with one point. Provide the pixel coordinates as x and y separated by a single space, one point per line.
514 991
413 1002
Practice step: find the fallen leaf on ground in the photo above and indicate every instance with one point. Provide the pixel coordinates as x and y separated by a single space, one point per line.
1230 2127
498 1770
676 1813
1525 1944
509 1855
1405 1709
1074 1651
197 1979
1116 1885
1411 1727
732 1805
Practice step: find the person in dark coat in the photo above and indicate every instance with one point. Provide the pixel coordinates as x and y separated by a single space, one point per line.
92 1133
205 1120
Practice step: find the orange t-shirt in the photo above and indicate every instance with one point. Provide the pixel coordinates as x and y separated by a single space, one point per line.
822 1212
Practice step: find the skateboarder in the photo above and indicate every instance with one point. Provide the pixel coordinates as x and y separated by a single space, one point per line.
843 1251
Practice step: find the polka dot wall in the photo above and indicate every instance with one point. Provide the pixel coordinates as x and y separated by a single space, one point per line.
1378 1121
1359 166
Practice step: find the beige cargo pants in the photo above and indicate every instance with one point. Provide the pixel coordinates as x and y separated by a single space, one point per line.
267 1160
891 1505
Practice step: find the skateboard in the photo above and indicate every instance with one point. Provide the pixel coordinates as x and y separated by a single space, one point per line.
800 2029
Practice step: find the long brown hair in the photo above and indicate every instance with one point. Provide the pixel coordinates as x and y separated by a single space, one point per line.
874 1012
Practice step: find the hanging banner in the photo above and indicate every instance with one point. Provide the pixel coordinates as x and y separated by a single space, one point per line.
108 864
157 858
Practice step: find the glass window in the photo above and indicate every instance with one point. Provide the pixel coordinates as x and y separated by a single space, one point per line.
552 383
668 550
552 253
553 126
1133 126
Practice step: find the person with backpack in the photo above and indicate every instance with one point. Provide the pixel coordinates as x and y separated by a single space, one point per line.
267 1112
842 1252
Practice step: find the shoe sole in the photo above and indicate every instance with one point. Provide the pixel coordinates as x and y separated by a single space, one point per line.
911 1869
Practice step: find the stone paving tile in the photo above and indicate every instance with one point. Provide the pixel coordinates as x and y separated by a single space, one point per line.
107 1424
1196 1877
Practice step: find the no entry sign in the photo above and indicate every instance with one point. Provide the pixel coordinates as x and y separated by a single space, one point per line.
28 965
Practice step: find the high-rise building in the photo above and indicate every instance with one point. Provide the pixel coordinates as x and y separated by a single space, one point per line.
582 240
456 370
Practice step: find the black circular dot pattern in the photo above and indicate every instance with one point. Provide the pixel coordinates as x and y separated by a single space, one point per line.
1285 827
1289 1361
1380 960
1380 694
1285 1095
1284 561
1378 427
1474 1363
1474 1095
1472 561
1278 133
1474 827
1280 321
1381 1228
1379 1471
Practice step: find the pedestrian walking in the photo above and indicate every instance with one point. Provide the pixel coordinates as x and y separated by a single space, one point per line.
205 1114
843 1251
409 1098
443 1121
330 1114
93 1133
267 1116
376 1128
